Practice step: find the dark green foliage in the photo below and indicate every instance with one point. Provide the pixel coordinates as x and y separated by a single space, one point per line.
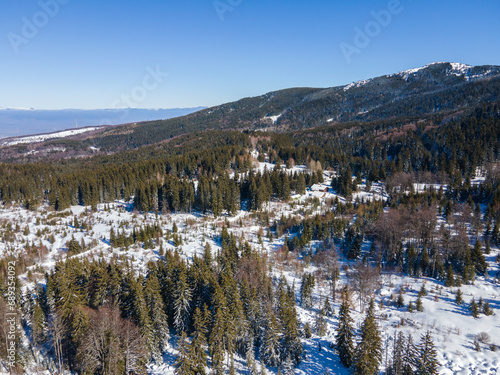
410 307
400 301
477 258
183 361
487 309
419 305
307 330
459 298
306 289
450 277
427 363
474 309
345 332
368 352
270 346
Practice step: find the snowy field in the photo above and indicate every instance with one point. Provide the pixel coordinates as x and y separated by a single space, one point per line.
453 329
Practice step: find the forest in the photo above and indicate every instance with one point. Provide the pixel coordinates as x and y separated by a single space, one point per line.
235 301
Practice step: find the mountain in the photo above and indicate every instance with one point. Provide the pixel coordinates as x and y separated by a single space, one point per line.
17 122
437 88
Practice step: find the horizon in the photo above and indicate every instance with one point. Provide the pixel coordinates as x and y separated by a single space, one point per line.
201 106
61 54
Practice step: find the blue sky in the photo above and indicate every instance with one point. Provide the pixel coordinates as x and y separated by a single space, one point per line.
166 54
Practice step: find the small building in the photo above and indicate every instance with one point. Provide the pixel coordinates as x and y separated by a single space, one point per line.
320 188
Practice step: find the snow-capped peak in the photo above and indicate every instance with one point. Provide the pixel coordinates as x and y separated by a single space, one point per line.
457 69
356 84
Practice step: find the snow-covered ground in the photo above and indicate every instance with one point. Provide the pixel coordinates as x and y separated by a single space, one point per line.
453 329
45 137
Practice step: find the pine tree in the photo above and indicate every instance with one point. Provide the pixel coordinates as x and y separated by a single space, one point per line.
487 309
420 307
306 290
197 352
182 302
478 259
182 361
410 307
291 346
327 308
427 359
320 323
459 299
450 277
39 327
217 340
140 314
345 332
397 362
250 359
368 353
401 301
410 357
156 308
474 309
270 347
307 330
423 291
287 368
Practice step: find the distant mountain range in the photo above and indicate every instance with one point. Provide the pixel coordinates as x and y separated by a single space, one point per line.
441 89
16 122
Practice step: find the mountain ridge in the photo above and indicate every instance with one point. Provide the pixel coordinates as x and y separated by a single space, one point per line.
436 88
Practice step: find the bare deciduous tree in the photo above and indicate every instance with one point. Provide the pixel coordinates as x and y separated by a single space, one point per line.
57 330
365 280
111 344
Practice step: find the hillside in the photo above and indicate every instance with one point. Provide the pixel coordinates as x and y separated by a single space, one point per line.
263 236
435 89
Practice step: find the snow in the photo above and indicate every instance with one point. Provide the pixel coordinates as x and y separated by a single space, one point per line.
457 69
274 119
44 137
452 327
357 84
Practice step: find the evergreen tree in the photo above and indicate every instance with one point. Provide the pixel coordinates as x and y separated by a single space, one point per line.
327 308
197 352
270 347
410 357
183 361
450 277
474 309
420 306
478 259
459 299
156 309
306 290
182 302
487 309
217 342
423 291
368 353
345 332
427 360
320 323
400 302
291 345
410 307
398 353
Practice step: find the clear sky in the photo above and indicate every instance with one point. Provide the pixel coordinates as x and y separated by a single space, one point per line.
183 53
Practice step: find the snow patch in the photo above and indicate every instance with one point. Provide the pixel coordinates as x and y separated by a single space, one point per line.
45 137
357 84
